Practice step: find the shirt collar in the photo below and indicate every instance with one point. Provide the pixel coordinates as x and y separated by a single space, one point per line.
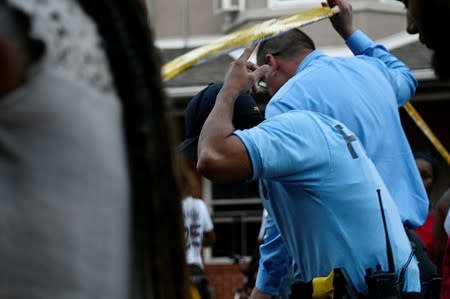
309 59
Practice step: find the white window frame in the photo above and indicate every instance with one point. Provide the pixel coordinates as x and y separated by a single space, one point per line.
280 4
207 196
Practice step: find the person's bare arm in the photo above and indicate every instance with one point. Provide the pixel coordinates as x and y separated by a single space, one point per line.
221 155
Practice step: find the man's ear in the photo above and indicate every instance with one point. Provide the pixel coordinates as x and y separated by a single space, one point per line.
272 61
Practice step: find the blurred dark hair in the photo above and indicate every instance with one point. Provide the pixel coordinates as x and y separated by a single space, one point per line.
17 25
158 256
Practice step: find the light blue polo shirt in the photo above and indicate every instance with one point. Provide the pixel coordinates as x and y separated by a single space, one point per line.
319 187
364 92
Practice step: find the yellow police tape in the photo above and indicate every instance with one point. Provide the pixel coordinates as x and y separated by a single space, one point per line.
427 131
243 38
266 30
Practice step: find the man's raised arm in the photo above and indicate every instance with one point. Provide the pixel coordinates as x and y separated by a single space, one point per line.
221 155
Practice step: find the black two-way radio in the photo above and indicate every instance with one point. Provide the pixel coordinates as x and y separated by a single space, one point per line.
383 284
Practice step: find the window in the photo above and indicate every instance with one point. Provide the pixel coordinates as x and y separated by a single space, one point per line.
229 5
236 213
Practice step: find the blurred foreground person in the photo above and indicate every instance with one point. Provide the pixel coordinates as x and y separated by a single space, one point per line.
66 227
64 184
428 18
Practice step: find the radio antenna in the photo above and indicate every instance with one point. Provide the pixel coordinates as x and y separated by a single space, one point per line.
390 257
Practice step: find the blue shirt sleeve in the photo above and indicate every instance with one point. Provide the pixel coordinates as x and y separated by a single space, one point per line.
274 263
287 144
401 77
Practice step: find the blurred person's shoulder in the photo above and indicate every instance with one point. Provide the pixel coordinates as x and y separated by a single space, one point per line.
58 81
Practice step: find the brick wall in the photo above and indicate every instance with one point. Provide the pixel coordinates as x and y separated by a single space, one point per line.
223 279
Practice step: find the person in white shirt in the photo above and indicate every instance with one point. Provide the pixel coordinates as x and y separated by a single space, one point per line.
198 228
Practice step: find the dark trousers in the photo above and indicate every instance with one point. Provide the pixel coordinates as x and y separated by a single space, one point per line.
429 279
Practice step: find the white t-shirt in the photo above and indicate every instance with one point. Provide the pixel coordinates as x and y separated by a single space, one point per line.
197 221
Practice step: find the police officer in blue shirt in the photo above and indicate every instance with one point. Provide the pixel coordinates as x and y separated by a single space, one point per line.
316 182
364 92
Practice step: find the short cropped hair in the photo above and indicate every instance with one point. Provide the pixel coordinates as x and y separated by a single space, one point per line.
285 45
